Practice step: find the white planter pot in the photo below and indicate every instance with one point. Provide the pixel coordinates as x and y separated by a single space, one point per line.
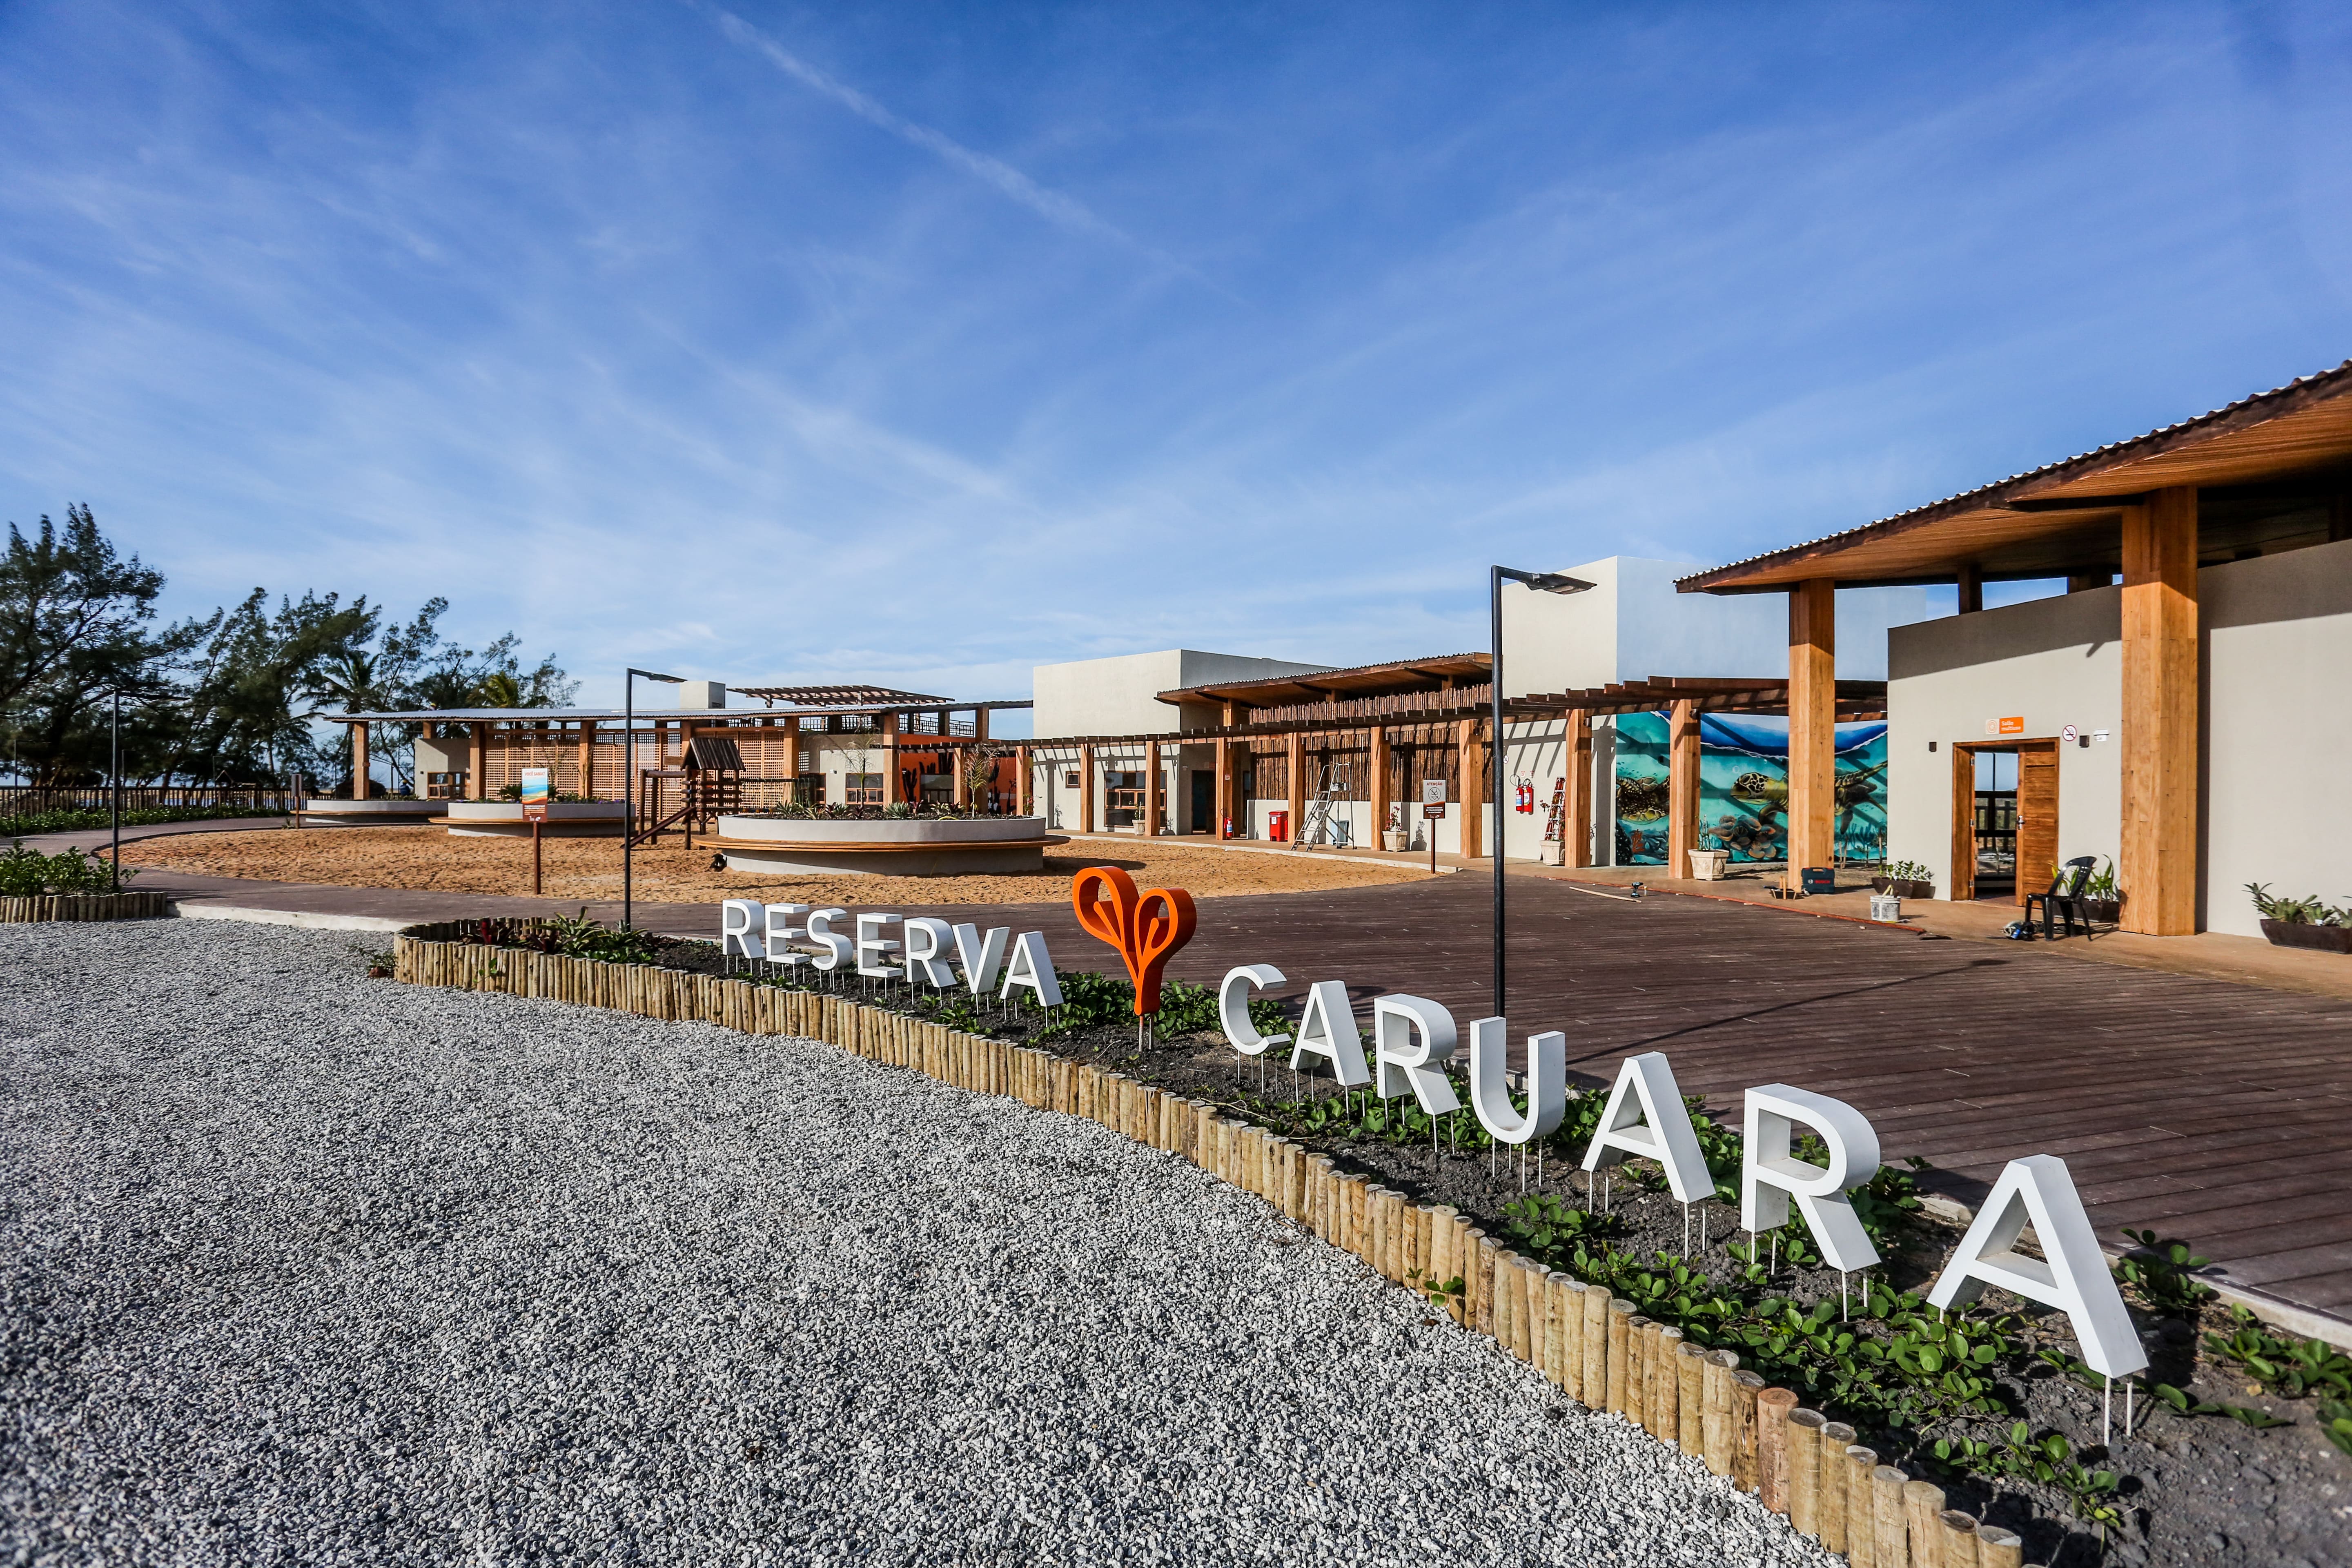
1707 865
1396 841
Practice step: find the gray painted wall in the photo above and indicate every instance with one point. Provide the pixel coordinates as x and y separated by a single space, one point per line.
2276 648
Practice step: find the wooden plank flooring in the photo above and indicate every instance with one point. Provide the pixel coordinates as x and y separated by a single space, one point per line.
2218 1112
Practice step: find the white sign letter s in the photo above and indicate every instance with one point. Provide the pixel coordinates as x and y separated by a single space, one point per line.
837 947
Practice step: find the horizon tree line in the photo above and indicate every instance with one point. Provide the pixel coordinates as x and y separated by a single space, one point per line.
224 698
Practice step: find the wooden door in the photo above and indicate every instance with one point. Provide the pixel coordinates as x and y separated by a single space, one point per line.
2037 817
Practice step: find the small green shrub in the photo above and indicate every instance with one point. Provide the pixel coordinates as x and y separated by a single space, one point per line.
2164 1278
2278 1365
2307 911
29 874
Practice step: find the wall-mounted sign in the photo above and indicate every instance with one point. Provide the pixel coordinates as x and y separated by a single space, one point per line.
2069 734
1434 810
2010 726
1433 792
534 794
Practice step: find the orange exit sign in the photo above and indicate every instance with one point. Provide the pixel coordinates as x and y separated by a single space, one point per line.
2015 726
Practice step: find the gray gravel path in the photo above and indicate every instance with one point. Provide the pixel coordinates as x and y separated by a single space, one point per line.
299 1268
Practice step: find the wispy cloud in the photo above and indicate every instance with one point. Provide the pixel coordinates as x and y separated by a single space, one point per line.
1063 211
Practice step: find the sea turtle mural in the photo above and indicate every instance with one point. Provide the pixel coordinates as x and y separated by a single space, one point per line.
1744 785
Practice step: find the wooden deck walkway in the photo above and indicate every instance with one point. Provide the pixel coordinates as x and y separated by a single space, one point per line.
2216 1113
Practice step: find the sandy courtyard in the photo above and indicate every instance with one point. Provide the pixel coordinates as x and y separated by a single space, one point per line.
589 868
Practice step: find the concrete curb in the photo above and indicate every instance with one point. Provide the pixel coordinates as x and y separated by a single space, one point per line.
1231 849
301 919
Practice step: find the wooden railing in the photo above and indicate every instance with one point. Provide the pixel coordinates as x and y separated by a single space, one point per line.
263 800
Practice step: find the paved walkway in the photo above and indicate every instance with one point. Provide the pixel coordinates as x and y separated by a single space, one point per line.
2212 1109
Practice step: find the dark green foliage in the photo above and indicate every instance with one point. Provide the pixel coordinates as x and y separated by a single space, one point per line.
2163 1278
34 822
29 874
577 936
2335 1423
2280 1365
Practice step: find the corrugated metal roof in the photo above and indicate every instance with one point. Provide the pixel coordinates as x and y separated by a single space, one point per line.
2112 452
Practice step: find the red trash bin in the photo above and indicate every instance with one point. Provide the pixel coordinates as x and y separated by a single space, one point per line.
1277 827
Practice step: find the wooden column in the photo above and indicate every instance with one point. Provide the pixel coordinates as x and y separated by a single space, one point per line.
980 723
1378 791
1086 789
959 790
2157 866
1970 584
1151 789
587 759
792 751
1576 809
1470 787
477 758
359 761
1682 786
1024 786
889 759
1224 793
1813 725
1297 744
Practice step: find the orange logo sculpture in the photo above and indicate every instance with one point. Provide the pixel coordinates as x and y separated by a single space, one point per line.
1146 938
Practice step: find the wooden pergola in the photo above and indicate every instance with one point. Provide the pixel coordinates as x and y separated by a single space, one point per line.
2270 473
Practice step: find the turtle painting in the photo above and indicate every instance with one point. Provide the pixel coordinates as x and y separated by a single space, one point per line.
1641 797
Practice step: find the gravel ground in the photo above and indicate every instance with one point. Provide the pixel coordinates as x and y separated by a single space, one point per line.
299 1268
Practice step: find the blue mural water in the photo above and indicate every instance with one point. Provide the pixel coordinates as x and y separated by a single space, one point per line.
1743 791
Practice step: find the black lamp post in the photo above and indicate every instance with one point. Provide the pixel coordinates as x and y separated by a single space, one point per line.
629 781
1541 583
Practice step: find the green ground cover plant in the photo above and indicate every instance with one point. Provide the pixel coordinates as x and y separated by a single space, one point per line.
29 874
26 825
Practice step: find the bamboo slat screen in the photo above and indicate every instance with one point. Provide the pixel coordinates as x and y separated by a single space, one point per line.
1463 699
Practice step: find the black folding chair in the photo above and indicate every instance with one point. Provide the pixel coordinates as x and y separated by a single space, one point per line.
2062 900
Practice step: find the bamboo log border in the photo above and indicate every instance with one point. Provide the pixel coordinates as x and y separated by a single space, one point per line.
85 907
1593 1348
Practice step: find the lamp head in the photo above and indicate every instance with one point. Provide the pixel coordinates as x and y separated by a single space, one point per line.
649 675
1547 581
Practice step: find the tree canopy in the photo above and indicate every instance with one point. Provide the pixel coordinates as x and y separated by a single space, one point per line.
224 698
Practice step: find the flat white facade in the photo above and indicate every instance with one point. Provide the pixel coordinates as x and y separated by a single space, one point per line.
1120 695
2275 749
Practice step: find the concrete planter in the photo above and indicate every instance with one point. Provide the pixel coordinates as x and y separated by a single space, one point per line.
902 846
1707 865
2295 933
387 813
504 819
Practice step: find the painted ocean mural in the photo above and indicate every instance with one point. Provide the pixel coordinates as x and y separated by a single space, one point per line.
1743 789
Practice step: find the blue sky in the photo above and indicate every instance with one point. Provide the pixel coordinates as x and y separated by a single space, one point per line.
924 343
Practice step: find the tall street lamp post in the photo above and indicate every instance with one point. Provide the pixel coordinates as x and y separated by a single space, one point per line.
629 779
1541 583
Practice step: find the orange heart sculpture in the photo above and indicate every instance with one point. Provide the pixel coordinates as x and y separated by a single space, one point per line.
1146 938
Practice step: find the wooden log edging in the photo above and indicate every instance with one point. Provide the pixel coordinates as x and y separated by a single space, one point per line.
84 906
1595 1349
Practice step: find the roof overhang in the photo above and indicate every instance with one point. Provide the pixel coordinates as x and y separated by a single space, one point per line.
1360 681
2265 468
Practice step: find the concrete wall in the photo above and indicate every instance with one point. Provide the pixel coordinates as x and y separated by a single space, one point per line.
2052 662
1119 696
2278 731
1633 623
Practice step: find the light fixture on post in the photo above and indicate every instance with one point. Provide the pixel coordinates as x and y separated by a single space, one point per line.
629 780
1541 583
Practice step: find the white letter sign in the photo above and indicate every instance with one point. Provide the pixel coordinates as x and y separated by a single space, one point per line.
1412 1038
1327 1029
1771 1175
980 958
1233 1008
1646 1116
1490 1094
820 932
2075 1279
779 934
1032 969
738 919
926 940
870 939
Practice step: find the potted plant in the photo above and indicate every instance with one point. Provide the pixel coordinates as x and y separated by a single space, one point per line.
2102 899
1396 838
1905 880
2302 923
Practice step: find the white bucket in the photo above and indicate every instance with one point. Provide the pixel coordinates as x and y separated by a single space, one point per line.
1885 907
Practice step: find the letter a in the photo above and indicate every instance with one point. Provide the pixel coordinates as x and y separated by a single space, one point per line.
1327 1029
1646 1116
2075 1280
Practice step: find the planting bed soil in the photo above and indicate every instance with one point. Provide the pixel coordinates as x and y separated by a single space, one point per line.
297 1267
2189 1488
589 869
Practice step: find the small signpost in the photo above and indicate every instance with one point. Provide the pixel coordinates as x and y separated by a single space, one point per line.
534 811
1433 812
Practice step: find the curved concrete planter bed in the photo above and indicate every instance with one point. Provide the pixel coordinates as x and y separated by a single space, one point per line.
369 812
902 847
504 819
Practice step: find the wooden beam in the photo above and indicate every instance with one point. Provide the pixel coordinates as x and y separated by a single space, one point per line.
1378 791
1576 807
1025 783
891 758
793 749
2157 863
1295 754
1224 792
1470 786
1682 786
360 761
588 760
1813 725
980 723
1151 789
1086 789
1971 586
477 758
2083 582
